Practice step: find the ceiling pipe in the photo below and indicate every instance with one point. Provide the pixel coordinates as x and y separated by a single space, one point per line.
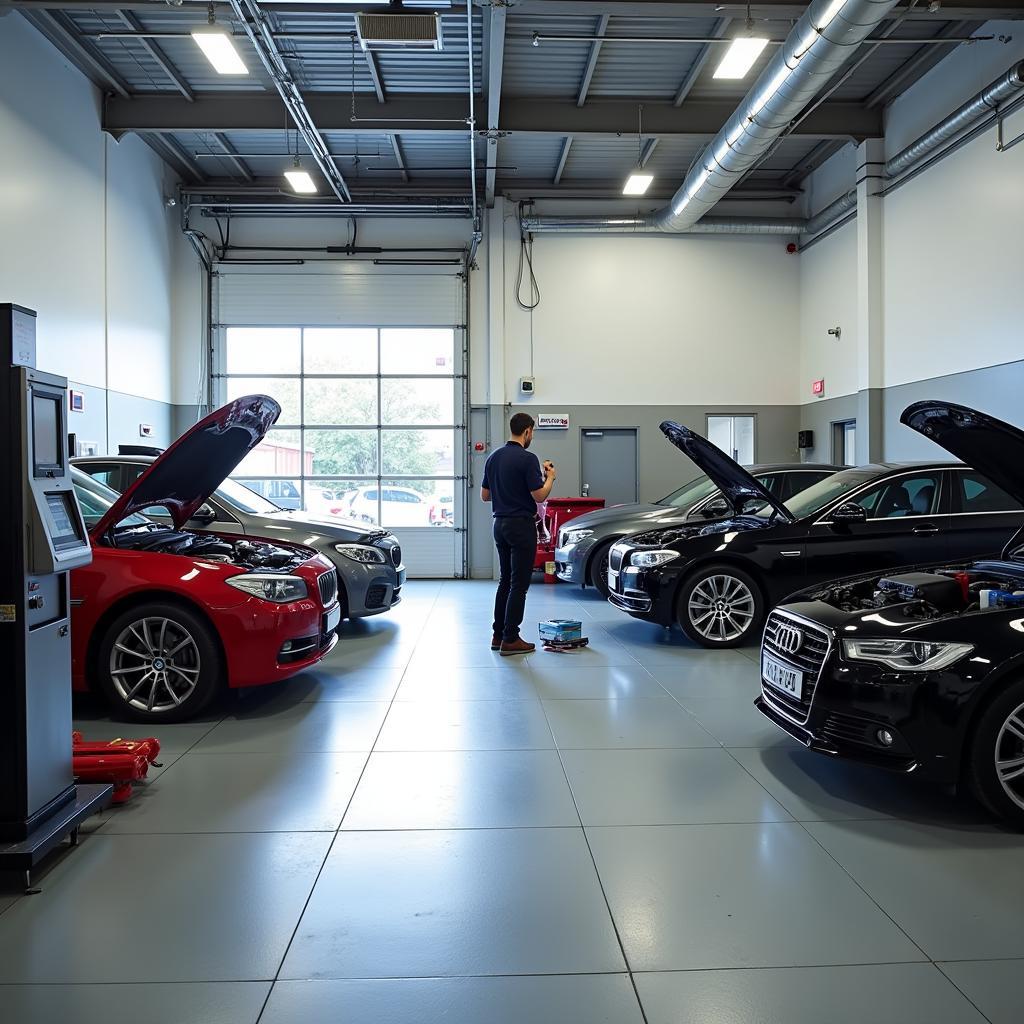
822 40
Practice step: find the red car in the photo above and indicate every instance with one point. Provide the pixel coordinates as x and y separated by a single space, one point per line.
164 618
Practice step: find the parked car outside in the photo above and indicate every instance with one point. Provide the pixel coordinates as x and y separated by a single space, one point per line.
442 510
718 580
399 506
582 552
163 619
918 671
369 560
283 493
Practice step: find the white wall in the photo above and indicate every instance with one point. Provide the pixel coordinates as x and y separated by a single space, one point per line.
951 296
652 320
88 242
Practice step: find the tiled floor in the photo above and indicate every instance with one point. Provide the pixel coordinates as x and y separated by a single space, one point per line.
419 832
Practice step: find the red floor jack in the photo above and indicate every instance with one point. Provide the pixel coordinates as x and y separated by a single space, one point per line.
119 762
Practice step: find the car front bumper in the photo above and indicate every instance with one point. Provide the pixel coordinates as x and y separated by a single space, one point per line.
647 595
571 563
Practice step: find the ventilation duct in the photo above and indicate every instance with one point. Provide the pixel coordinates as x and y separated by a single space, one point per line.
399 31
822 40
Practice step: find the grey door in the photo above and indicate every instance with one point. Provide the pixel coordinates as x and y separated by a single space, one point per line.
608 464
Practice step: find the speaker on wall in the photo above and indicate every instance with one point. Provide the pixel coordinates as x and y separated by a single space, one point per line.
805 439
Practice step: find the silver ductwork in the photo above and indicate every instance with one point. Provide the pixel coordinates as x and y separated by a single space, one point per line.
985 102
822 40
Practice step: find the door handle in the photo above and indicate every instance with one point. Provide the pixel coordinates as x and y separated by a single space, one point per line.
925 531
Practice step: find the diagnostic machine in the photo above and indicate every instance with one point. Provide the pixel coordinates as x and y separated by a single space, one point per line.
43 538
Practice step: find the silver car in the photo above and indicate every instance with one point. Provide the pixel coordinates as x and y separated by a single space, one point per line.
583 544
368 559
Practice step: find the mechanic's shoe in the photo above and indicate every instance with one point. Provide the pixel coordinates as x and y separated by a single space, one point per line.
520 646
496 642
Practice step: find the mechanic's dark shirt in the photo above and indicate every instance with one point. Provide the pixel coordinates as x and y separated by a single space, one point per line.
511 474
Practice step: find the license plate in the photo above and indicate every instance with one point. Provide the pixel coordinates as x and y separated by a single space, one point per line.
333 617
613 580
782 677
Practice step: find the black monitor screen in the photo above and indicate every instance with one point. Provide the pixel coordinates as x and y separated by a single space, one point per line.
46 433
65 528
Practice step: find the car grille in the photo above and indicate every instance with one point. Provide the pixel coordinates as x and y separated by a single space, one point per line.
850 729
376 595
328 584
809 658
396 556
615 559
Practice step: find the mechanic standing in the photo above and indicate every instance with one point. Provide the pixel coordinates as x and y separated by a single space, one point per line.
514 484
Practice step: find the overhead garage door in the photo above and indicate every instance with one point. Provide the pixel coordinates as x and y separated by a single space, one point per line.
369 368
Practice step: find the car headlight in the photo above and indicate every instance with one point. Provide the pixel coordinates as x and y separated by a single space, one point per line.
575 536
652 559
361 553
906 655
279 589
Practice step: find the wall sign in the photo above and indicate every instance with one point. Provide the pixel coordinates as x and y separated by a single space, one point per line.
552 421
76 401
818 387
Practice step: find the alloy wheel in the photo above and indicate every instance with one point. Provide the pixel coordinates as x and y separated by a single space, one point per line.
1009 756
721 608
154 664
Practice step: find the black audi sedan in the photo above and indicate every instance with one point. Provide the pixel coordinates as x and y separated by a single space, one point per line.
918 671
718 580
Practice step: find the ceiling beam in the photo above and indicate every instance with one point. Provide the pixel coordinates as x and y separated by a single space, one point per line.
60 30
698 65
378 85
240 112
921 62
562 157
495 51
151 47
647 151
595 52
956 10
174 155
396 148
232 155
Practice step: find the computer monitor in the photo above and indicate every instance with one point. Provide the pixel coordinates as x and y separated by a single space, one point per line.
47 433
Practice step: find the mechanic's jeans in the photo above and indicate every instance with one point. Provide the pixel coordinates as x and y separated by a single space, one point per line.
516 540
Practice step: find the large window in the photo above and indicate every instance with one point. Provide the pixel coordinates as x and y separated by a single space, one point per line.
368 420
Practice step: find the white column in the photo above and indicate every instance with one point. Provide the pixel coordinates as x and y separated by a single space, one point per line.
870 301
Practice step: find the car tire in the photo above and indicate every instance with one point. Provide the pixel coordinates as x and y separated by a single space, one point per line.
998 737
720 606
160 654
598 571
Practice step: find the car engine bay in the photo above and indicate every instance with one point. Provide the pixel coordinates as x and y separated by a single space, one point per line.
918 596
245 554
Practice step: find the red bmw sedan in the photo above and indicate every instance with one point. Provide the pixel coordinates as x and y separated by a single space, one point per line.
164 618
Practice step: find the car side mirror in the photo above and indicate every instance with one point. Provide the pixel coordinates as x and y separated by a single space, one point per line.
849 512
715 508
204 515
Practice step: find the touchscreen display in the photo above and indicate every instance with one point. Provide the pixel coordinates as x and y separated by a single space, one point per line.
64 529
46 427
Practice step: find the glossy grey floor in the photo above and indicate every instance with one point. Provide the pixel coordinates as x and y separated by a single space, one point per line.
420 831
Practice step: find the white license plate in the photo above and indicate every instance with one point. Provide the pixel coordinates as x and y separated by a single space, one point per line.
613 580
333 618
782 677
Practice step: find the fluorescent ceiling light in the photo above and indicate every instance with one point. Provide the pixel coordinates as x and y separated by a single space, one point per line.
300 180
740 57
219 50
637 183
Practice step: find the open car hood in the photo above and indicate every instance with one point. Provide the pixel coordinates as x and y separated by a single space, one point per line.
735 483
194 466
986 444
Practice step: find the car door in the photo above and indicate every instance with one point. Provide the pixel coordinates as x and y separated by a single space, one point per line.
906 522
983 516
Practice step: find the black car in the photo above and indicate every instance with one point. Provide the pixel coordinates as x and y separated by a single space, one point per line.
918 671
717 581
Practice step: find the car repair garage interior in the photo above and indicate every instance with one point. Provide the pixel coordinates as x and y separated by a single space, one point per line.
329 325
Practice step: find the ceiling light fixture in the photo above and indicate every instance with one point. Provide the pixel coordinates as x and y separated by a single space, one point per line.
216 44
742 53
299 179
638 180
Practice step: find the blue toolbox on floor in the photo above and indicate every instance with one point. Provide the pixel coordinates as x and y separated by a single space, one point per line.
561 631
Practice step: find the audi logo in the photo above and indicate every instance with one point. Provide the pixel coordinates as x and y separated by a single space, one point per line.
789 639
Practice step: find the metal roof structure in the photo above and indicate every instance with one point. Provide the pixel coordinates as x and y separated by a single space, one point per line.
557 92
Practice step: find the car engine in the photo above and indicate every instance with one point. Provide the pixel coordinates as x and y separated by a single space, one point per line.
927 595
246 554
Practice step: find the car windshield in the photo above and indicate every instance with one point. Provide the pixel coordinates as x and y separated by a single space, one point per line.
818 495
96 499
245 500
690 493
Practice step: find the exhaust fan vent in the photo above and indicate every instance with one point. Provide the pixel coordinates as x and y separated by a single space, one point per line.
399 31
